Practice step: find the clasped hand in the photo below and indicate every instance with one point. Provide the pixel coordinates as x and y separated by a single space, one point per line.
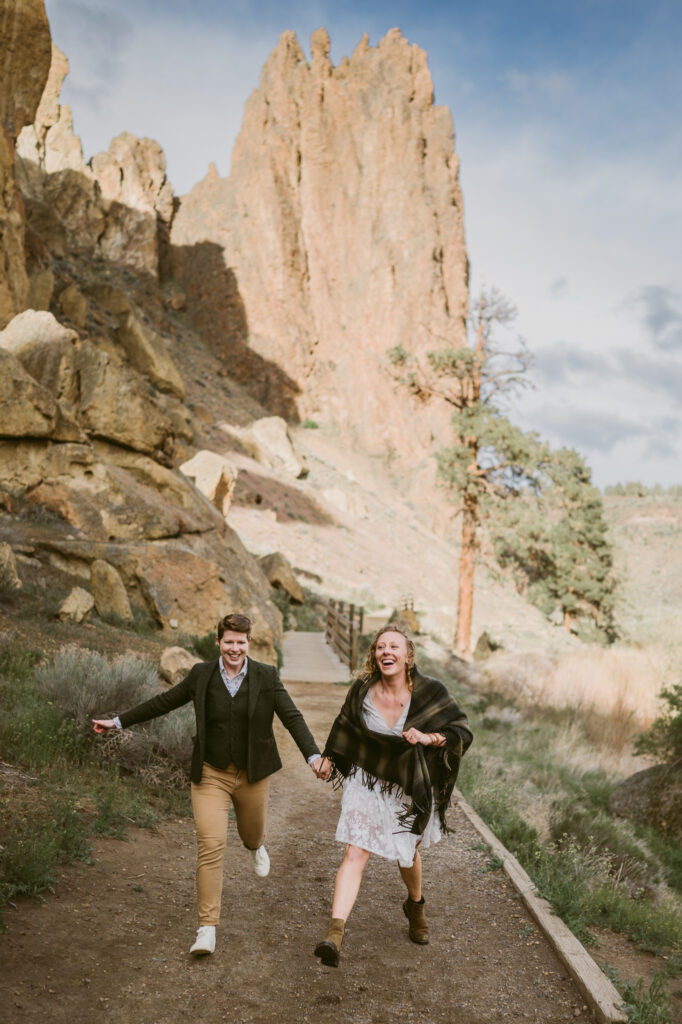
322 767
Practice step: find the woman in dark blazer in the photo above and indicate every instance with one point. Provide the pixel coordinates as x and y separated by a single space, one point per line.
235 700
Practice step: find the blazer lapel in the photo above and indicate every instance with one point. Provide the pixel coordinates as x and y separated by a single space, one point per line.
254 680
202 686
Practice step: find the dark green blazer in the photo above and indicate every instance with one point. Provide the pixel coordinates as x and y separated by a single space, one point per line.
267 698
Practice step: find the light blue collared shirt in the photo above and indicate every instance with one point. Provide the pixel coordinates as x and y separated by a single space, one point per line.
234 683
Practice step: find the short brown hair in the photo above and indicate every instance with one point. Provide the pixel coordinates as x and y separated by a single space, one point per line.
235 623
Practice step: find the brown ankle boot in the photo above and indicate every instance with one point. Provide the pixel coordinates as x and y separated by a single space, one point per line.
329 949
414 912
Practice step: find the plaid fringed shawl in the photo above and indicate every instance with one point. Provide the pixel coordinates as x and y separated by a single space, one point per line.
422 773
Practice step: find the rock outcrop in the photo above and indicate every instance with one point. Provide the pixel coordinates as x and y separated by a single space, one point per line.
117 206
341 226
24 68
652 797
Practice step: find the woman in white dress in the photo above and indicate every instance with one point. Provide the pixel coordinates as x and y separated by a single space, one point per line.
395 746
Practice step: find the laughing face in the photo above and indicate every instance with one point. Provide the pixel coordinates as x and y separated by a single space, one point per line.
391 654
233 650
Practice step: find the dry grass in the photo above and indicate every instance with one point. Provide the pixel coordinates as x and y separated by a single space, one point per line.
618 686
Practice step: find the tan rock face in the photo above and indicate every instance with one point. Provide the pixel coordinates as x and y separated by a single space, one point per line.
116 404
109 398
148 353
27 48
342 223
25 36
116 205
183 586
27 409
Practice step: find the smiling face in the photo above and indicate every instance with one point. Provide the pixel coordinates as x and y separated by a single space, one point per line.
391 654
233 650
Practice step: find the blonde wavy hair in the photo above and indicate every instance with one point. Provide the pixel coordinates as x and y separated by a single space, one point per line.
370 668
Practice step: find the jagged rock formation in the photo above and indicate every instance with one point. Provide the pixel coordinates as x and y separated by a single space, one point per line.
341 233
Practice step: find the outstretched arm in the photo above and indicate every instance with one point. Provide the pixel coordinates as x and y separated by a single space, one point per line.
161 704
292 720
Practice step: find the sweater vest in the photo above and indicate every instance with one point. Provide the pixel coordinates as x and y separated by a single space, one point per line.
227 721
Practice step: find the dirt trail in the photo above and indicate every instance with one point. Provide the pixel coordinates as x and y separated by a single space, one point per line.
113 939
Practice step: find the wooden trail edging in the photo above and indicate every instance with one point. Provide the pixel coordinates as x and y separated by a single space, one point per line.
599 992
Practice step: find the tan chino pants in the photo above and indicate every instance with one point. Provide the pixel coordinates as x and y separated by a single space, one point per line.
211 799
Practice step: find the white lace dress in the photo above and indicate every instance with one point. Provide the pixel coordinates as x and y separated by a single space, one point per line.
369 818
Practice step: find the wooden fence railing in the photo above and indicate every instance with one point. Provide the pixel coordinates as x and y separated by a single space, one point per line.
344 626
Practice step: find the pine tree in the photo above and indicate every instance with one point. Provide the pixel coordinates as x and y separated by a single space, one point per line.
549 530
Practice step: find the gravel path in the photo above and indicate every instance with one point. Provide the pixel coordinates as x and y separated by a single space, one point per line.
114 938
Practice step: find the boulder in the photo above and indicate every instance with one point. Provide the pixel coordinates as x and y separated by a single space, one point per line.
214 476
29 410
77 606
652 797
47 351
9 578
110 398
281 576
111 599
175 664
34 329
148 353
267 440
117 404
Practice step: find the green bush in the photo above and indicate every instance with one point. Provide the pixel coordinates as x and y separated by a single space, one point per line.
580 880
663 739
204 646
84 684
33 850
16 660
643 1005
594 829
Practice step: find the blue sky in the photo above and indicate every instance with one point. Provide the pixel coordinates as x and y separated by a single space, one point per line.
567 120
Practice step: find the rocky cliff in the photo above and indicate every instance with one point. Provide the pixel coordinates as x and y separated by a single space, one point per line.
25 36
337 236
140 336
94 412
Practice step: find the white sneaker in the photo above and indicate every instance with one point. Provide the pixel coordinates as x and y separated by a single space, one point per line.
261 862
205 941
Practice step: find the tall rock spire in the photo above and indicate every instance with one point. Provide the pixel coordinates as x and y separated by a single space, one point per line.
342 224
